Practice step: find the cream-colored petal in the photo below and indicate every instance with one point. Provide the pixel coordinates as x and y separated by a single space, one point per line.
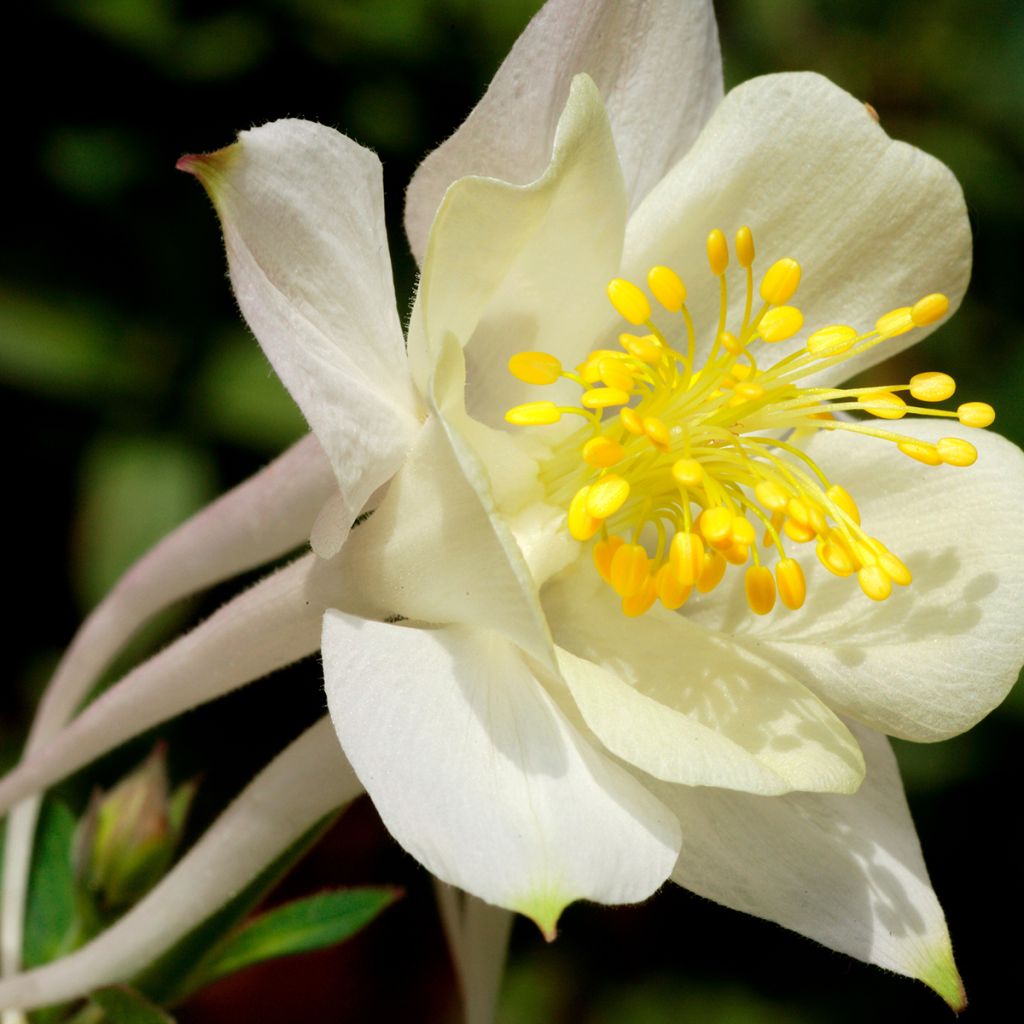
270 625
302 208
436 549
477 774
511 268
478 935
875 224
845 871
690 707
307 781
938 655
656 63
255 522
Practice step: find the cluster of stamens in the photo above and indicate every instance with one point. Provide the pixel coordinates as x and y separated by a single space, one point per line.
694 463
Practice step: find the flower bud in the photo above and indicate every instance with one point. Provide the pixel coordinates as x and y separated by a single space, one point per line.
127 837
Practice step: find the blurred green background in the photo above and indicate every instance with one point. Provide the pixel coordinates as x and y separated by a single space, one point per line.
132 395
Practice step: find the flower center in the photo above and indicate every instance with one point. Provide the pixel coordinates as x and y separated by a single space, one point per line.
693 463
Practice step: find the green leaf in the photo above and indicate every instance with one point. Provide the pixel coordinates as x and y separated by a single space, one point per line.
299 927
172 977
123 1005
51 908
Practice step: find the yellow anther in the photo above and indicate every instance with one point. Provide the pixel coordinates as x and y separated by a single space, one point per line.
602 452
535 367
865 554
976 414
629 570
603 398
737 553
797 532
582 525
667 287
922 451
533 414
688 472
818 522
615 373
631 421
929 309
744 246
656 430
748 391
839 496
798 511
647 349
836 558
884 404
760 586
686 556
780 323
792 585
771 495
955 451
741 371
604 552
932 387
715 525
898 321
743 532
895 569
731 343
780 282
672 592
831 341
875 582
712 572
590 371
607 496
718 252
640 602
629 302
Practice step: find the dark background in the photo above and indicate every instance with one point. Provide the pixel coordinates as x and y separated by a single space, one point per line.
131 395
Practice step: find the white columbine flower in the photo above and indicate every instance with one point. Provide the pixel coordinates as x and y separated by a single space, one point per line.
520 735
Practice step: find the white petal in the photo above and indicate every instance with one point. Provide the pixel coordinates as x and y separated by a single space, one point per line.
875 224
271 625
478 940
720 716
435 550
308 780
511 268
656 63
302 208
938 655
845 871
257 521
477 774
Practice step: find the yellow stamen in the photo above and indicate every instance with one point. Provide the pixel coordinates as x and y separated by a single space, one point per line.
932 387
792 586
629 302
976 414
607 496
718 252
780 282
535 367
708 457
760 587
744 246
602 452
667 287
954 451
534 414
